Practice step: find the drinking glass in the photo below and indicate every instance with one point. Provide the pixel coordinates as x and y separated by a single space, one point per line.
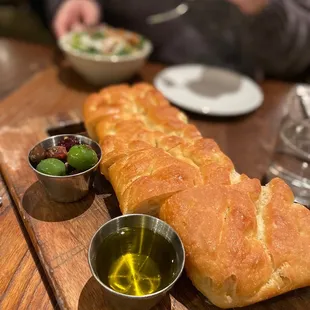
291 159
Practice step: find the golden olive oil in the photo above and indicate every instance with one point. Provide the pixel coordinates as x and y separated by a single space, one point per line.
136 261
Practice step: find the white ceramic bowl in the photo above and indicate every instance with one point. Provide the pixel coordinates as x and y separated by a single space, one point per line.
103 70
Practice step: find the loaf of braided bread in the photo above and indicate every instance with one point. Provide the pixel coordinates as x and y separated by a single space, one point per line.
149 148
244 243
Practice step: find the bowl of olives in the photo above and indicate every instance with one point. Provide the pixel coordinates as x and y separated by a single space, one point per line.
65 165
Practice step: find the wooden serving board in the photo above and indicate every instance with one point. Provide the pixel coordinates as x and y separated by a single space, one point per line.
61 233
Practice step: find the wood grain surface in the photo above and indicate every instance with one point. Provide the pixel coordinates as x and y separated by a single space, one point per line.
61 233
247 140
23 283
19 61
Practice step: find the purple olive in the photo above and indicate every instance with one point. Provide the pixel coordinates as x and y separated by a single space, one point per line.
68 142
37 154
59 152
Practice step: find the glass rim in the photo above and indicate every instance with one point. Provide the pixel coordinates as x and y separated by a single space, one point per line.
288 140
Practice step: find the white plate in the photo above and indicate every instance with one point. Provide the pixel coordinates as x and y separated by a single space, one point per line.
209 90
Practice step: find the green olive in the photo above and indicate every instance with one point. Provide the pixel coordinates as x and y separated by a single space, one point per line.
52 166
82 157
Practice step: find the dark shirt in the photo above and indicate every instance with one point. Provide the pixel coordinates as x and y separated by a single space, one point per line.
276 41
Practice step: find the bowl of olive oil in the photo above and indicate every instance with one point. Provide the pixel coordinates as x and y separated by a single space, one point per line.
136 259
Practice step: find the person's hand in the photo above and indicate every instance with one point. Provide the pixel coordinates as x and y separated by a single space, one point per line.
250 7
73 14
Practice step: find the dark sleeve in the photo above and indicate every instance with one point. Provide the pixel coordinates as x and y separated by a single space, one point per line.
51 7
47 9
281 35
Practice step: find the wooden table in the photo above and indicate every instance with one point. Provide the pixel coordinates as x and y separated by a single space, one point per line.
22 279
248 140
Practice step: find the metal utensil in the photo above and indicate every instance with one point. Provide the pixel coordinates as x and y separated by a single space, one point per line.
159 18
303 93
68 188
121 301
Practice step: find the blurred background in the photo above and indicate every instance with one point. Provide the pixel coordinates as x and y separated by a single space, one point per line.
18 21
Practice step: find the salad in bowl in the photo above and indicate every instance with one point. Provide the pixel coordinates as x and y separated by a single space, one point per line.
107 41
104 55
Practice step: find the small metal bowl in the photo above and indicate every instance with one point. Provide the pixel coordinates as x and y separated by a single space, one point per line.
68 188
120 301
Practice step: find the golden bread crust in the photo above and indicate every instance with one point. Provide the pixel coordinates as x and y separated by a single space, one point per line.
147 173
244 243
236 255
